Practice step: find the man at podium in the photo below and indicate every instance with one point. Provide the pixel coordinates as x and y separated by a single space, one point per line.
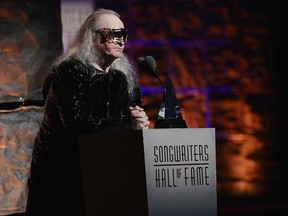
91 88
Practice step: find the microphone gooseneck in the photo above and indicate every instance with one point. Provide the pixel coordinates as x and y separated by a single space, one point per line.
170 119
149 65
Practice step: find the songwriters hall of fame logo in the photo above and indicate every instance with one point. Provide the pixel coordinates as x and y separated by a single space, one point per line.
181 165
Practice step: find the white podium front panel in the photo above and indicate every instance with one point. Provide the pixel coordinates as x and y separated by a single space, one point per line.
180 171
155 172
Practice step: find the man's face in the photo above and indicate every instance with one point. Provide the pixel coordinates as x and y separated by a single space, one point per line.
112 33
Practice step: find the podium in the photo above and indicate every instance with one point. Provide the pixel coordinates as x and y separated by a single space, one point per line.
155 172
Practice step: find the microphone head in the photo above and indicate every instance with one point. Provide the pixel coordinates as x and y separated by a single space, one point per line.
147 64
142 63
151 62
140 60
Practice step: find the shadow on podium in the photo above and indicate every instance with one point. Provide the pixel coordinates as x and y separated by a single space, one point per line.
113 173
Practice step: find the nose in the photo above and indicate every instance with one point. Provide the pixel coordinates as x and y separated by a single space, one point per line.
121 42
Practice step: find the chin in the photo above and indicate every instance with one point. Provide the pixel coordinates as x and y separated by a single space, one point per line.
117 55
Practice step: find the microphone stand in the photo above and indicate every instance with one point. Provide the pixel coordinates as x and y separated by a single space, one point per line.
170 120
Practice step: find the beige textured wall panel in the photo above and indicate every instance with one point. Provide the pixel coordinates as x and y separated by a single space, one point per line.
18 130
30 37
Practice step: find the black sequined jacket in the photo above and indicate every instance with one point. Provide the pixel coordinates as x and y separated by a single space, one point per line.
78 99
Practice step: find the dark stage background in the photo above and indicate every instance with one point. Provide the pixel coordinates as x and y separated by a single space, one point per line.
227 63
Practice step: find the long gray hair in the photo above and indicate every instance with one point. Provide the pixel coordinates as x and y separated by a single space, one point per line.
82 48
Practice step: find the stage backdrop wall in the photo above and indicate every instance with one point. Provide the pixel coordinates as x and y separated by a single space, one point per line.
30 37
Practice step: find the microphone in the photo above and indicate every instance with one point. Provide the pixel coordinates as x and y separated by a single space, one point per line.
149 64
152 65
140 61
170 118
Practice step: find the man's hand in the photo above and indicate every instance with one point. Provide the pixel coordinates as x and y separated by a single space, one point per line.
139 118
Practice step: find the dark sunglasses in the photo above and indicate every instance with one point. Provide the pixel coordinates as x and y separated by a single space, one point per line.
115 35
